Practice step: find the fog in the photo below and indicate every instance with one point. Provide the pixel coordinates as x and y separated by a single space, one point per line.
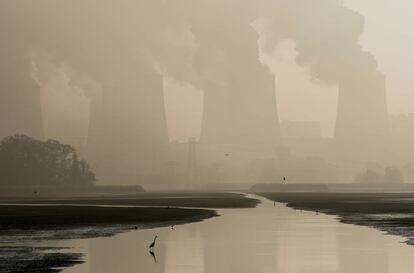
312 90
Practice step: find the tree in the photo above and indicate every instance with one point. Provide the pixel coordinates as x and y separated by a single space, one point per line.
368 177
393 175
28 162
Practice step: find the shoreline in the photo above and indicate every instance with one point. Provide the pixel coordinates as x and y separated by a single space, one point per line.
392 213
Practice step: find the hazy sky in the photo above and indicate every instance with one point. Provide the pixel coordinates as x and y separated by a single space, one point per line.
388 35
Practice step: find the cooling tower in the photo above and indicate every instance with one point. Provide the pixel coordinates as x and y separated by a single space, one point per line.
241 118
362 118
129 139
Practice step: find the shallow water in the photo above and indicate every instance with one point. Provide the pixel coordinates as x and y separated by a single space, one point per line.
269 238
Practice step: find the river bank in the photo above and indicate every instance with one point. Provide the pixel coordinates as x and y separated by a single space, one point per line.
392 213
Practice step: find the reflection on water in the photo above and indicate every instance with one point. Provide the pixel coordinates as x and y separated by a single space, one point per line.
152 253
265 239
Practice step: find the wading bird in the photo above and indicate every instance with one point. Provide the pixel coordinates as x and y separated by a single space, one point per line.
151 246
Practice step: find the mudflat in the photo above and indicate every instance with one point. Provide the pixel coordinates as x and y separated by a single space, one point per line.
389 212
16 216
157 208
158 199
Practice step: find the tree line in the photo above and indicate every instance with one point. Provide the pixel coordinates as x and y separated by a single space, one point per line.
25 161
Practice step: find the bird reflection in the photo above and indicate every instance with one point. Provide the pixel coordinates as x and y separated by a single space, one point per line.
152 253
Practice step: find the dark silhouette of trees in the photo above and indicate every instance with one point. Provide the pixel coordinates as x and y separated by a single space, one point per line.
368 177
28 162
393 175
387 176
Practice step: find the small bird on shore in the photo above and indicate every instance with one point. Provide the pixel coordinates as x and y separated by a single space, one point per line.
151 246
284 178
172 227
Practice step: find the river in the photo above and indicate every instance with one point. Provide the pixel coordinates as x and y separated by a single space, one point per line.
269 238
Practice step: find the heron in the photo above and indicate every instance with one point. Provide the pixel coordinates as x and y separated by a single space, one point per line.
151 246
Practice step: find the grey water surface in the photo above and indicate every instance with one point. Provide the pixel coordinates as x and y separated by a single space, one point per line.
269 238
